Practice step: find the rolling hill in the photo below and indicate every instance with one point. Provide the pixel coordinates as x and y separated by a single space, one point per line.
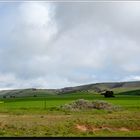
117 87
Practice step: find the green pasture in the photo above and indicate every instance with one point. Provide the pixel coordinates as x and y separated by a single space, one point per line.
128 101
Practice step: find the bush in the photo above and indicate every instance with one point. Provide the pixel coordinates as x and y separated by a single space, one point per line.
108 94
102 105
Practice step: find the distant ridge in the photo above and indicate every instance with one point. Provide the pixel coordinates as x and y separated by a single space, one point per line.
95 87
105 85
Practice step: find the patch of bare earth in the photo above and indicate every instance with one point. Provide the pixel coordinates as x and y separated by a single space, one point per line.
85 128
124 129
81 127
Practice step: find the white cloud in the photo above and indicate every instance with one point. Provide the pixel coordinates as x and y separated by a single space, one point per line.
35 13
52 45
132 78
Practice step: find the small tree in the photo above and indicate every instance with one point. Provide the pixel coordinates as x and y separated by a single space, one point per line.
33 89
108 94
4 96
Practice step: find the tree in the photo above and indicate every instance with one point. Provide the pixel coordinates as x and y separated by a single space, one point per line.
33 89
108 94
4 96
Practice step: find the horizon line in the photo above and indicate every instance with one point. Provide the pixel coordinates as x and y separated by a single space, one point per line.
69 86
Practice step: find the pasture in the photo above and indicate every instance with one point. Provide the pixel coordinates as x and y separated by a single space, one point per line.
39 116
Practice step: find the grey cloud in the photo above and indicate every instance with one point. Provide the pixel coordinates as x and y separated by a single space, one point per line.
67 44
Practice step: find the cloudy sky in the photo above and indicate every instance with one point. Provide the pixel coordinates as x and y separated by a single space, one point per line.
54 45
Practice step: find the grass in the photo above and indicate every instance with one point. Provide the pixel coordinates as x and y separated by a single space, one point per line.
56 100
29 117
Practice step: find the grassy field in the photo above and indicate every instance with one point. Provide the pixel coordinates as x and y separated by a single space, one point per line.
38 116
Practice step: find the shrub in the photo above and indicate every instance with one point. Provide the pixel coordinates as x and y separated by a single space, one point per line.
102 105
81 104
4 96
108 94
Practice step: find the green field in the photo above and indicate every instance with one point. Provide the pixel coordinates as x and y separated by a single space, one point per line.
38 116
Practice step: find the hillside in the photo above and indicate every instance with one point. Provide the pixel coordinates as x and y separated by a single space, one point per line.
27 92
117 87
97 87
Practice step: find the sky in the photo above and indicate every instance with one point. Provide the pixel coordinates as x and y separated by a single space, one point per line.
62 44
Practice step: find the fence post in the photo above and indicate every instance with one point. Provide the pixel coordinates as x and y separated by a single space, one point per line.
45 104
